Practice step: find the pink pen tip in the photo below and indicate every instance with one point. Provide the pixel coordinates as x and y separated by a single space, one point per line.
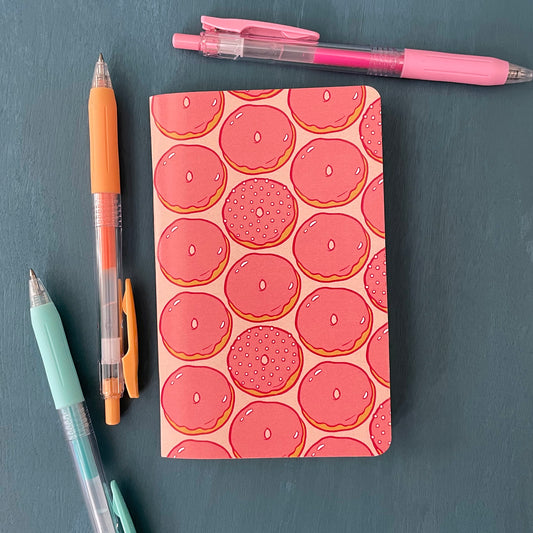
186 42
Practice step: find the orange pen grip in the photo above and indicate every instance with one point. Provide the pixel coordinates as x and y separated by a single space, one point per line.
103 133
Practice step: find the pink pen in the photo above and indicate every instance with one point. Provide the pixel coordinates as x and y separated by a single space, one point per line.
248 39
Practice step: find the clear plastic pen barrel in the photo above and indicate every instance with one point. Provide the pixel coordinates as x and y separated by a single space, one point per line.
84 449
362 59
108 233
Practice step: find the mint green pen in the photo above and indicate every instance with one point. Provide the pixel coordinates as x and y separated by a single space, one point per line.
105 504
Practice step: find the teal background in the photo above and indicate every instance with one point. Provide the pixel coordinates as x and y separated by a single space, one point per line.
459 201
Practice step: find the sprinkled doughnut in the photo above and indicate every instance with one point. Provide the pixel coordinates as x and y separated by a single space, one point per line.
265 360
260 213
380 427
370 131
376 280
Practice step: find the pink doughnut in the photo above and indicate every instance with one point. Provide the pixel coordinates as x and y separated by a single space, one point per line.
339 447
198 449
260 213
256 94
192 252
197 399
189 178
372 206
324 110
331 247
328 172
377 355
370 131
256 139
380 427
265 361
333 322
195 325
336 396
376 280
187 116
262 287
267 429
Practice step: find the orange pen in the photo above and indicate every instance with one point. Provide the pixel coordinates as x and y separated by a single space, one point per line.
105 189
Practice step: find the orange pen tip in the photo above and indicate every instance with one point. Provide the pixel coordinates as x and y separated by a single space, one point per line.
112 411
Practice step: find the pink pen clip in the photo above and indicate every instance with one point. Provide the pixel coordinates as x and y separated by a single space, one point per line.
255 28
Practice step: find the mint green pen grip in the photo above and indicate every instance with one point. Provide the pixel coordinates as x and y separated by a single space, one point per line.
58 364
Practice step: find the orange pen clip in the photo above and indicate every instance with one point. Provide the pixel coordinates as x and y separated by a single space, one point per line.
130 361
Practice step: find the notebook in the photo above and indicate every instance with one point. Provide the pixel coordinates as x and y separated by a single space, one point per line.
271 273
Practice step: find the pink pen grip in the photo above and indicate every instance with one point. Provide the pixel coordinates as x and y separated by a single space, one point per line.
456 68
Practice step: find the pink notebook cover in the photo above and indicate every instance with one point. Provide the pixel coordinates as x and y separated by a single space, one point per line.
271 273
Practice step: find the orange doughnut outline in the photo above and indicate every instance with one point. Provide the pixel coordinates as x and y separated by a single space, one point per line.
200 431
286 309
290 382
261 170
196 357
340 427
353 195
209 126
243 95
212 201
297 451
357 342
329 129
381 380
196 282
283 237
375 230
326 279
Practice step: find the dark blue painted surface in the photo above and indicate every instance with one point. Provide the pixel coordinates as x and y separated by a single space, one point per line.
459 198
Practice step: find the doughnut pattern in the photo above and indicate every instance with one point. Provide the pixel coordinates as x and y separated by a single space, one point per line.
271 273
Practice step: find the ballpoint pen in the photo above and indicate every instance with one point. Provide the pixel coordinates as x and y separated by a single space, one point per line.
105 504
105 188
249 39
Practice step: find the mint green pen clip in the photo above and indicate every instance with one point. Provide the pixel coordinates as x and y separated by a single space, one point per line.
120 509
